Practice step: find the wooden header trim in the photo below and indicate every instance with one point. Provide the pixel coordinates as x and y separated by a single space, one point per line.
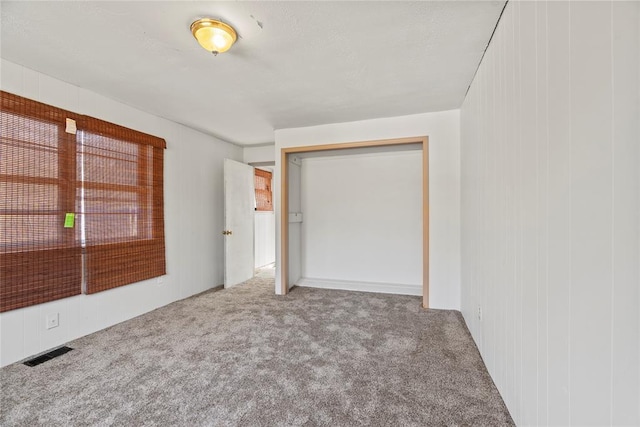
358 144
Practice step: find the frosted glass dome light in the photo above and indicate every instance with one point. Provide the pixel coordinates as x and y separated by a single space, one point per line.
214 36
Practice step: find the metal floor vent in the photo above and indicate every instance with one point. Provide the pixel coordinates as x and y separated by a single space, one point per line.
48 356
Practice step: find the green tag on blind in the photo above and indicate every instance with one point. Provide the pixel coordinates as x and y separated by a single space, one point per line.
69 220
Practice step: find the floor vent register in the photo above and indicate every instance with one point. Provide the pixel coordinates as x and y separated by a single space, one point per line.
48 356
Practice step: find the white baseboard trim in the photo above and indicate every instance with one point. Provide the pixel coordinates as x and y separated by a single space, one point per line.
347 285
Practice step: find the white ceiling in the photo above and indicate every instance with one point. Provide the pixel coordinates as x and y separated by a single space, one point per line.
295 63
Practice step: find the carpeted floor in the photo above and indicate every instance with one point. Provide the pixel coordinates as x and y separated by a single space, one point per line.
246 357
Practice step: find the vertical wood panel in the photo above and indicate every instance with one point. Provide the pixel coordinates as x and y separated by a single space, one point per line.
625 136
510 241
559 197
591 200
517 160
542 143
529 211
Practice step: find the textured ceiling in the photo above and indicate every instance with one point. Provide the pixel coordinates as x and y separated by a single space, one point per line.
295 63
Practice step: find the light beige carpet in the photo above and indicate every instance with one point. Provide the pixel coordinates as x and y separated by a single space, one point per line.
245 357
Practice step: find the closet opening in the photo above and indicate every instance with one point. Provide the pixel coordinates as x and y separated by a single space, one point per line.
292 216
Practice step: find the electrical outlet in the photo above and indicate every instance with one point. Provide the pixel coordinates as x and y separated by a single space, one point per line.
480 313
52 321
160 280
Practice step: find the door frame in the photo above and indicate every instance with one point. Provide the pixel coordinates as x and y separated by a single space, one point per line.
284 200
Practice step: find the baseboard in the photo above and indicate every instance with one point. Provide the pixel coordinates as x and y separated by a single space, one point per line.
347 285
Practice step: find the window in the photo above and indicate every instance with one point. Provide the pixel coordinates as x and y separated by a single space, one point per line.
40 260
108 178
264 196
121 205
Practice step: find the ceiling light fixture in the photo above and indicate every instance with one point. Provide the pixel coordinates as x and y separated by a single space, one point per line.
213 35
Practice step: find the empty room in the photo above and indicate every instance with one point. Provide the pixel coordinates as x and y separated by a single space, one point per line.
320 213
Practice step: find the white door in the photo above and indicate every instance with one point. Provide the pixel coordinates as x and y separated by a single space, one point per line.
239 210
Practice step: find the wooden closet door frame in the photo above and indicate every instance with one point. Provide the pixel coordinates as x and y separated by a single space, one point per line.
284 200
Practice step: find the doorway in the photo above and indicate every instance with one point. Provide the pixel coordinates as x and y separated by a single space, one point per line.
249 221
265 223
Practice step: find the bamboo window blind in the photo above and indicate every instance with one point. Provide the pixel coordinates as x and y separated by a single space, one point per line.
123 205
108 178
40 260
264 195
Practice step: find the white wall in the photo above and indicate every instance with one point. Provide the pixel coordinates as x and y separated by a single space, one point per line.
193 220
444 185
362 219
261 154
550 156
265 238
